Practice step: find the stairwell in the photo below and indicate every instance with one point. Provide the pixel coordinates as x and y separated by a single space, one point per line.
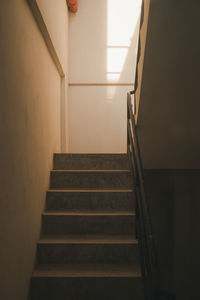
88 247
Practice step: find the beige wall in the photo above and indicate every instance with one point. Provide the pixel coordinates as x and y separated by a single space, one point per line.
169 130
30 94
168 120
55 15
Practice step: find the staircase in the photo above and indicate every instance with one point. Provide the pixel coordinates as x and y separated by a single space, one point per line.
88 249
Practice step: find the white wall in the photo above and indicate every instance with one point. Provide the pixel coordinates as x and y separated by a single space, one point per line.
103 39
97 119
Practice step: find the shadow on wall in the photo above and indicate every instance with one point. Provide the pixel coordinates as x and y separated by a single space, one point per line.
174 204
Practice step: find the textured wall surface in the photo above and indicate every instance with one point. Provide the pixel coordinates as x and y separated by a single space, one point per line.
30 89
173 196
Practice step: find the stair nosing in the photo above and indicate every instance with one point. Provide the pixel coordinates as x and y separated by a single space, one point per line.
87 213
132 271
91 190
87 240
91 154
90 171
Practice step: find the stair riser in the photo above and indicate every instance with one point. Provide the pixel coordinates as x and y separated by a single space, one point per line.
88 224
90 162
120 201
93 253
91 180
86 288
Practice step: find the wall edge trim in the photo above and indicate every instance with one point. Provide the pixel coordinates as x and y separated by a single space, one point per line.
45 34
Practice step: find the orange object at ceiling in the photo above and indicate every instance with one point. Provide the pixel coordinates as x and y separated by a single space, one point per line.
73 6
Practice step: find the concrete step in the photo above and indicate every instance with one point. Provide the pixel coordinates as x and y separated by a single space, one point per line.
95 200
65 223
81 282
64 161
98 179
88 249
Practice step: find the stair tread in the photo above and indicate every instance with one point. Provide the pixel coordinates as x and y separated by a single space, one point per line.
82 270
97 155
90 190
87 239
91 171
88 213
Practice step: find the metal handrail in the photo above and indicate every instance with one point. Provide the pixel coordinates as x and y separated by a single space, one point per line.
144 228
138 50
144 232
